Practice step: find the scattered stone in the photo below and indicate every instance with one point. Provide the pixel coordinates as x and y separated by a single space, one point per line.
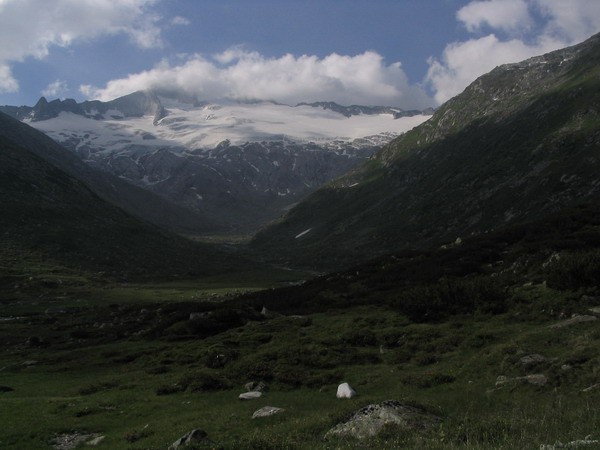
530 360
591 388
267 411
268 314
29 362
370 420
566 367
538 379
574 320
196 436
71 440
573 444
96 441
200 315
261 386
250 395
345 391
595 310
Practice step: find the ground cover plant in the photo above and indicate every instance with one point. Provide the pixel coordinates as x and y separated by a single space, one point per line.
495 335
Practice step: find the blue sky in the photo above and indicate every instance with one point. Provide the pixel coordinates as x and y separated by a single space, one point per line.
407 53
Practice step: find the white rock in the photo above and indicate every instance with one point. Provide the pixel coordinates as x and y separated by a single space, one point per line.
345 391
250 395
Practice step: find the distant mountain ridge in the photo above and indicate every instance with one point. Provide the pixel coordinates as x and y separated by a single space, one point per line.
521 141
47 212
137 104
138 202
239 165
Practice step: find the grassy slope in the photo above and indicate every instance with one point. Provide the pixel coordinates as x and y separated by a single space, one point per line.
516 144
144 378
47 214
138 202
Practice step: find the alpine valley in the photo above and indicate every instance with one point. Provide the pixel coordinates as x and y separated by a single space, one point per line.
437 272
238 165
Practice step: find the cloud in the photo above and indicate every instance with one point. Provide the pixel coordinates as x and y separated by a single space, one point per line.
508 15
56 89
8 83
246 75
178 20
562 24
30 29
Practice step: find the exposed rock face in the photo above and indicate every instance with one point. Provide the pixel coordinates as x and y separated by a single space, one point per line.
370 420
267 411
345 391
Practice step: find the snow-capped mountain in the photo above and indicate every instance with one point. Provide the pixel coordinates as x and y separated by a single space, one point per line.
239 163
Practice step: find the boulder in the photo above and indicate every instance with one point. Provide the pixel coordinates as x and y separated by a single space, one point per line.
537 379
345 391
267 411
370 420
531 360
250 395
261 386
195 436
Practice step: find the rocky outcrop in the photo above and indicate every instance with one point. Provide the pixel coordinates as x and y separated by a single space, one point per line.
370 420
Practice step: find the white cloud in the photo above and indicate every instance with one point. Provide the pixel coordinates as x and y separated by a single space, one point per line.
178 20
245 75
509 15
8 83
30 28
563 24
572 20
56 89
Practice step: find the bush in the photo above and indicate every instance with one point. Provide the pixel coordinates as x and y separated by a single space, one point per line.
574 270
435 302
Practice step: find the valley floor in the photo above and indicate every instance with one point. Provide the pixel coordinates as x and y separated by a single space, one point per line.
142 365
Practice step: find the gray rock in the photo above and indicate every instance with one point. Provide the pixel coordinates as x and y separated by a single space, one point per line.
370 420
96 441
195 436
261 386
595 310
573 444
591 388
574 320
250 395
537 379
531 360
267 411
70 440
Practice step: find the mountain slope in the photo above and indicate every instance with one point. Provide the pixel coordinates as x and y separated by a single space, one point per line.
238 164
46 211
520 141
137 201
